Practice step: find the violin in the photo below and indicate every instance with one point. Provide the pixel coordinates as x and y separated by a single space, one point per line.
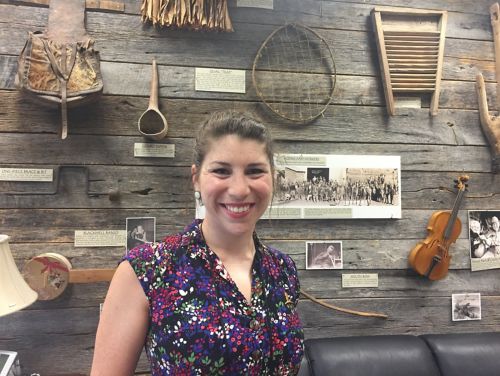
431 257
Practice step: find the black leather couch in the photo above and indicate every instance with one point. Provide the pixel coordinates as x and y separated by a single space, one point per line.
465 354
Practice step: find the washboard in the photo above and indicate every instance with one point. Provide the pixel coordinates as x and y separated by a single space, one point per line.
410 45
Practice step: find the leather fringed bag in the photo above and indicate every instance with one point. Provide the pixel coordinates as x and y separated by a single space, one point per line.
60 67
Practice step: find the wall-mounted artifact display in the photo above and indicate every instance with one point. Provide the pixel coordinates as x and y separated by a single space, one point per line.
108 5
60 67
358 280
294 73
491 124
152 124
484 237
324 255
264 4
431 257
336 186
154 150
410 45
342 309
26 174
99 238
140 230
466 307
49 274
204 15
221 80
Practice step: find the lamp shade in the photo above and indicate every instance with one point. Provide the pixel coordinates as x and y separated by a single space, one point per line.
15 294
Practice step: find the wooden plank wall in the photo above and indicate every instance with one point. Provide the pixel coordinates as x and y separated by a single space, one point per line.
56 337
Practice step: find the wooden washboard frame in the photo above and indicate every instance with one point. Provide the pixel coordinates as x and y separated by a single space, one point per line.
410 44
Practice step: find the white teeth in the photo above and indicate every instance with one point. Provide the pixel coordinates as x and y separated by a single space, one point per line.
238 209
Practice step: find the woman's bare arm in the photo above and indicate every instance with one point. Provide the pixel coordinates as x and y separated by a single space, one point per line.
122 326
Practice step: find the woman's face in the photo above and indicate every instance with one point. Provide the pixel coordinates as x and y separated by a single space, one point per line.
475 226
235 182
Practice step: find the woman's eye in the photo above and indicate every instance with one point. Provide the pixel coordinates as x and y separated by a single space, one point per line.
255 171
221 171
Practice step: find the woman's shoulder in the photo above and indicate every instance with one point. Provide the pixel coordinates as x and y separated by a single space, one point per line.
155 251
280 259
169 247
283 272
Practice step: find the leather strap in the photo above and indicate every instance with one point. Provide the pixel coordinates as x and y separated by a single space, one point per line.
67 21
62 72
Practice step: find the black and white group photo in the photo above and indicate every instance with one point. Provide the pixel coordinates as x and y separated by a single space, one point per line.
350 187
369 188
484 237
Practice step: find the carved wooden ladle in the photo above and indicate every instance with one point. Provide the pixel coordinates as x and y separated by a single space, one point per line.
152 124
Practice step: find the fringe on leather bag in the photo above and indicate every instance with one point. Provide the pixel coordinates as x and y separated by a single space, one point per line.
205 15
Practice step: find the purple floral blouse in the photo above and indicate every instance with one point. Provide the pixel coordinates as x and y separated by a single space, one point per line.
200 323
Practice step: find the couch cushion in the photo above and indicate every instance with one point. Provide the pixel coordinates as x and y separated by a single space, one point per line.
475 354
392 355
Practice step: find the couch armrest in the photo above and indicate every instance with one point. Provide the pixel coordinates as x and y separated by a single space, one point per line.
475 354
392 355
304 366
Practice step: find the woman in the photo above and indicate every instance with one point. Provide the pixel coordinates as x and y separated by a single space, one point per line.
212 299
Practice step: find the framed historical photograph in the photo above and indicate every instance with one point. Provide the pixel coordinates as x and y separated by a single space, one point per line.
140 230
466 307
336 186
484 238
8 366
324 255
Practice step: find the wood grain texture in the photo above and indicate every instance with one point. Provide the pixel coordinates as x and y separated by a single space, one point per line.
99 183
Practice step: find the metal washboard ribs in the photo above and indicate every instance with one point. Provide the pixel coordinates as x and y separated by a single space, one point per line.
410 44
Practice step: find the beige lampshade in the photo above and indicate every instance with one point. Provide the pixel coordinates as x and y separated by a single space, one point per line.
15 294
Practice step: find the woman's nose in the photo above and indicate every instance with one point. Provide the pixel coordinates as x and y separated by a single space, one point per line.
239 186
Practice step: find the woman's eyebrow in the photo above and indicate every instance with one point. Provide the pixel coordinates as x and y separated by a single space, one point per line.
222 163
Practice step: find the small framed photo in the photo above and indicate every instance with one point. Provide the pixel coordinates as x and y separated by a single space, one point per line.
140 230
466 307
324 255
484 238
8 364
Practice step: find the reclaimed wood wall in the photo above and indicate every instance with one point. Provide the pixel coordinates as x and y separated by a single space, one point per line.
56 337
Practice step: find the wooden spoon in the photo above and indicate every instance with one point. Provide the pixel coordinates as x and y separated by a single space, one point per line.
152 123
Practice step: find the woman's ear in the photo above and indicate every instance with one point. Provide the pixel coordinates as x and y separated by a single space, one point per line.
194 177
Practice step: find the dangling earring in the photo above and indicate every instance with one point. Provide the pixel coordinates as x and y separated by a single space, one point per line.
197 197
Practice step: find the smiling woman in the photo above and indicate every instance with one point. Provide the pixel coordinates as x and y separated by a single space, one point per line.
213 299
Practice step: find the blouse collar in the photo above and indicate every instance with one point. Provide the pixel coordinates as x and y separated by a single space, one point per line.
198 248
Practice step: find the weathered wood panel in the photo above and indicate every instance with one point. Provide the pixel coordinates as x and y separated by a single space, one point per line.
56 338
118 115
29 225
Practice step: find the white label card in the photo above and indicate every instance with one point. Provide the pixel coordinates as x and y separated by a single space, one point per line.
266 4
100 238
360 280
223 80
154 150
26 174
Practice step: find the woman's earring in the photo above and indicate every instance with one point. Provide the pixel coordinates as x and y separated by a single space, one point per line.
197 197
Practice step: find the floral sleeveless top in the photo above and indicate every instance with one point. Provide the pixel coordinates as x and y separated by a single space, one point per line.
201 324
